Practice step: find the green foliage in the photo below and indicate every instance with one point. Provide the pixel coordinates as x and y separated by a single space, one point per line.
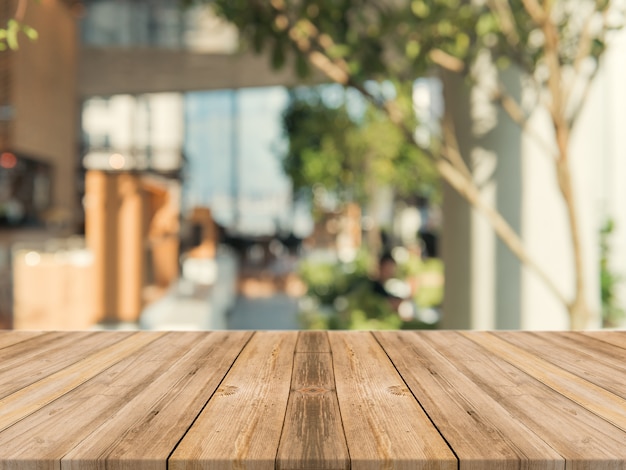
429 294
362 31
354 25
612 313
340 296
335 148
395 40
557 44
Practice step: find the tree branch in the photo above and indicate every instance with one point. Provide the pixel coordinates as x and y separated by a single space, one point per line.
514 110
455 172
584 43
585 46
446 61
535 11
20 10
449 164
506 19
556 107
452 147
502 228
461 179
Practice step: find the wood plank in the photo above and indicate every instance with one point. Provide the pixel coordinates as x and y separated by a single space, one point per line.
581 437
23 352
616 338
591 360
313 400
34 360
241 425
143 433
588 395
11 337
482 433
313 341
52 431
384 425
38 394
313 435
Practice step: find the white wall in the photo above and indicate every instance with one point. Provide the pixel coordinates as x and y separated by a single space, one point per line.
486 287
611 129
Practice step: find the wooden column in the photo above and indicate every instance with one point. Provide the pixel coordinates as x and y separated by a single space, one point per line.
101 237
115 233
131 251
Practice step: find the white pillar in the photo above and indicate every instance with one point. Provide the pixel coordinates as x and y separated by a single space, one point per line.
486 286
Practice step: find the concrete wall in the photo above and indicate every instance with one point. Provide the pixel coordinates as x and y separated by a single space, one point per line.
44 96
108 71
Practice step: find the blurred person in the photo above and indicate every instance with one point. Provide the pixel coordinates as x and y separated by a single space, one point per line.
398 293
380 285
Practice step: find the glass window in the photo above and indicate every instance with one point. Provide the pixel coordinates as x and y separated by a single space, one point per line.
155 23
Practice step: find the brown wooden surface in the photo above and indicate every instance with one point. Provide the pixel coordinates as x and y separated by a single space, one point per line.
242 423
384 424
312 434
312 400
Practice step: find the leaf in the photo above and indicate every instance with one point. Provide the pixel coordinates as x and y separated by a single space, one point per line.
503 62
355 67
412 49
337 51
420 9
445 28
462 43
12 30
486 24
31 33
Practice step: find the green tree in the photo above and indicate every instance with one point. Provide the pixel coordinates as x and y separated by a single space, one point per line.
350 154
556 44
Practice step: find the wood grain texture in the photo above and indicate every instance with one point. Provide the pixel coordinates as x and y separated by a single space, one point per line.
312 434
35 396
584 439
590 359
44 355
587 394
385 427
241 425
482 433
616 338
313 400
9 337
39 346
56 428
144 432
313 341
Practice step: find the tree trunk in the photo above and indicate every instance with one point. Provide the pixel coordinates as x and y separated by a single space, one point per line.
578 309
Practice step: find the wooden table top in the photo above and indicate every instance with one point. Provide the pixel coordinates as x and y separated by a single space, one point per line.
312 400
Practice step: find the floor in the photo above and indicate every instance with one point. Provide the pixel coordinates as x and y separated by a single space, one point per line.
277 312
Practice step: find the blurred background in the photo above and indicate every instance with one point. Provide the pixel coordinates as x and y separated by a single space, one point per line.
157 172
